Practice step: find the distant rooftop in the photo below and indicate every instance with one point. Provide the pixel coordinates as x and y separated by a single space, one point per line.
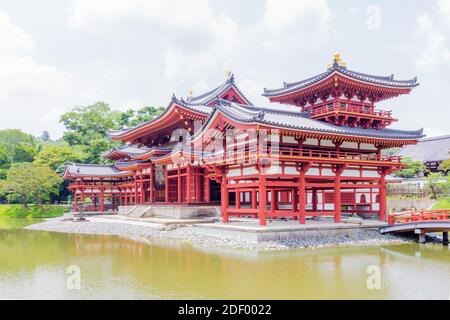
428 149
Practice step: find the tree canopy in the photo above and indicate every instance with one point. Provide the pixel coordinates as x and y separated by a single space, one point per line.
30 183
56 156
30 166
88 126
412 168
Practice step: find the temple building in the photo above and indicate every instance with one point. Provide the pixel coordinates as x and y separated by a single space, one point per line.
314 150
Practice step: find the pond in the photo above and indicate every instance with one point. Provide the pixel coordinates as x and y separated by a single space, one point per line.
40 265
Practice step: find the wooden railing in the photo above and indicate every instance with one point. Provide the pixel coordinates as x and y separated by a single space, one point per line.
296 152
352 108
419 216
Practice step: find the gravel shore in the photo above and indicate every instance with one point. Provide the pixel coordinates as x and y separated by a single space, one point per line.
149 232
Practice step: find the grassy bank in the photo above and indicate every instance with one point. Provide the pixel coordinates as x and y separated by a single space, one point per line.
32 211
442 203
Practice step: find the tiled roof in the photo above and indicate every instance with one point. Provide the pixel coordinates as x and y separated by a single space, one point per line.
128 149
197 104
93 170
429 149
301 121
335 68
215 93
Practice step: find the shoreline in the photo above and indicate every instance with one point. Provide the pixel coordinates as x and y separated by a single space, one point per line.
186 234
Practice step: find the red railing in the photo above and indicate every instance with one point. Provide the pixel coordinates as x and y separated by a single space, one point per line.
419 216
351 108
283 151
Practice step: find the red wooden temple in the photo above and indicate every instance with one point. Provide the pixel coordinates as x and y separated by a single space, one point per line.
316 150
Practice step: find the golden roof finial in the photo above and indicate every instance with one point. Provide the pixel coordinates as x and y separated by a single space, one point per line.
190 92
228 74
338 60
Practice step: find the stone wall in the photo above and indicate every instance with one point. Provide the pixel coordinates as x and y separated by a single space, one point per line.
406 204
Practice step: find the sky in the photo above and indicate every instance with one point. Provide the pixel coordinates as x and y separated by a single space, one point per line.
58 54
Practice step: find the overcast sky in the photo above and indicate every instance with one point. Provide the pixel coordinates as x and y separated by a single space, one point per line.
57 54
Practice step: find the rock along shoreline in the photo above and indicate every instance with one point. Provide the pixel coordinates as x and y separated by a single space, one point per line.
148 232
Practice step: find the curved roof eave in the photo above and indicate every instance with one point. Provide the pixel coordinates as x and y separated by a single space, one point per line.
174 103
386 82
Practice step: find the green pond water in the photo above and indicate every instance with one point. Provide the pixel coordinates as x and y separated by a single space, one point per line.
35 264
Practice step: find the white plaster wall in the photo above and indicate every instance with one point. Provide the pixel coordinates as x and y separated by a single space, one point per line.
367 146
290 170
234 173
313 142
371 174
352 145
351 173
327 172
289 139
249 170
327 143
313 172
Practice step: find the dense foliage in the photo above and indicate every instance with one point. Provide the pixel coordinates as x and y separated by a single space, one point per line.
31 167
30 183
412 169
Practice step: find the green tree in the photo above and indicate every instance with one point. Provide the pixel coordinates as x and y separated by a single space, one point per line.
131 118
434 184
412 168
5 161
56 156
88 127
30 183
20 146
445 166
45 136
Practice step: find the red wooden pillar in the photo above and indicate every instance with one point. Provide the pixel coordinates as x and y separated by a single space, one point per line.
180 199
302 197
224 198
207 191
75 200
254 201
188 183
166 190
142 187
82 199
382 196
120 197
274 199
262 200
314 199
151 184
95 202
112 202
197 185
135 188
337 197
294 203
102 199
238 199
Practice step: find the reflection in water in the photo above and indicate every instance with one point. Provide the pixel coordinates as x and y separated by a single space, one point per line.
33 265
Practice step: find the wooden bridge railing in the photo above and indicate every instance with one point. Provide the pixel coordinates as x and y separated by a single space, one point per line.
419 216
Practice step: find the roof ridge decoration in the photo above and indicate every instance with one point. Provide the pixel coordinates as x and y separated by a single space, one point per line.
339 67
337 62
214 94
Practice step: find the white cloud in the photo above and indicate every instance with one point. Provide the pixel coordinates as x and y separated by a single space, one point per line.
444 9
285 15
28 90
435 51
